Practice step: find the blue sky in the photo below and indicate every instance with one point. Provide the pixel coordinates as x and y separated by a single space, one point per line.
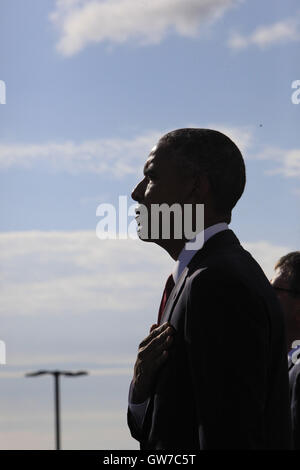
90 88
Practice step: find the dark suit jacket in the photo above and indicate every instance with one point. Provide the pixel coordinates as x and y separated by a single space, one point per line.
225 384
294 376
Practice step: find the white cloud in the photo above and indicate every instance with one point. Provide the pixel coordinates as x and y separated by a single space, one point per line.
241 136
116 157
104 360
122 157
288 161
82 22
264 36
76 272
266 254
97 365
73 273
113 371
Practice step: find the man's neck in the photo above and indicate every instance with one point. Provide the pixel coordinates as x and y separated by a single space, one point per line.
174 247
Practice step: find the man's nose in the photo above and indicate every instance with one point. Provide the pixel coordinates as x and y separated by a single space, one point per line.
138 192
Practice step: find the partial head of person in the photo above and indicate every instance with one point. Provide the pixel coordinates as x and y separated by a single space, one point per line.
286 283
191 166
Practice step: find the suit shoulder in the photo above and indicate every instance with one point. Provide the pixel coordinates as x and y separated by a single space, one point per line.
232 266
236 271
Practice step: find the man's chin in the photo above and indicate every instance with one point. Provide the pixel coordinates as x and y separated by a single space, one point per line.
159 241
142 236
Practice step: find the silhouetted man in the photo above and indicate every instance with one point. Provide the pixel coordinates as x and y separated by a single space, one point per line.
212 373
287 285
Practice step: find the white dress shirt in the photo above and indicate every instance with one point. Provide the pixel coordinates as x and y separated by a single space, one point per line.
138 410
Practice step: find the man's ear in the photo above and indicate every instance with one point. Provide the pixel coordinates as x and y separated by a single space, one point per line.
200 189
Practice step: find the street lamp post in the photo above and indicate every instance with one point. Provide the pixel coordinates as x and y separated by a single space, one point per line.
56 374
57 410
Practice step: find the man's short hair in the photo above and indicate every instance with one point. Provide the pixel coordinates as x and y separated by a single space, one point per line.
211 152
289 266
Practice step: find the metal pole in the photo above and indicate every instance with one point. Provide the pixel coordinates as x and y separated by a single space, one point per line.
56 374
57 417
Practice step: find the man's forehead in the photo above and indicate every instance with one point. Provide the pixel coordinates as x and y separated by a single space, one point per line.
152 158
153 150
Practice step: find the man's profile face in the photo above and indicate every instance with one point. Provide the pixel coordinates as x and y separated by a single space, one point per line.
290 304
162 183
281 286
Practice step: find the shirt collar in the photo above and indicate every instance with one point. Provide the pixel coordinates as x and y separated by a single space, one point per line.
189 251
296 349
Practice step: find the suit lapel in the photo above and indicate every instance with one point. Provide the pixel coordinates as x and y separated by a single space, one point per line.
292 359
171 302
177 289
223 238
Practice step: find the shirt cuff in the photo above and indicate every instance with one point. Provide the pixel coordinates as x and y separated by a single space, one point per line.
138 410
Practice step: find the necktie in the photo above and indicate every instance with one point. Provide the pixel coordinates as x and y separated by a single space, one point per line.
168 289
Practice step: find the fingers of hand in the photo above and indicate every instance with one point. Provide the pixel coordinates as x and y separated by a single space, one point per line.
153 327
159 343
155 331
154 353
161 358
164 336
